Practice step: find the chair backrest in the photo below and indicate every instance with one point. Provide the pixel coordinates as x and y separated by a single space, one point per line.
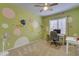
53 35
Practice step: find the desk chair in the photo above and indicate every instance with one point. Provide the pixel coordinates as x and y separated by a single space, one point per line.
54 37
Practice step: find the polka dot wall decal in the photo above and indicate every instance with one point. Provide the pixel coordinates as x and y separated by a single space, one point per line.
17 31
4 26
21 41
8 13
35 24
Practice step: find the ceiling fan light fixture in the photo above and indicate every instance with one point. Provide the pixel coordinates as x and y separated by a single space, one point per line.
45 8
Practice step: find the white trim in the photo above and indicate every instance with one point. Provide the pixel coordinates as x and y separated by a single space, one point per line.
4 54
7 52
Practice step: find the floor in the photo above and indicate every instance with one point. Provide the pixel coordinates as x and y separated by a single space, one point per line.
42 48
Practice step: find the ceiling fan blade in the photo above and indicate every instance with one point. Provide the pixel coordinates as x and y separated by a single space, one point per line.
41 10
39 5
53 4
51 9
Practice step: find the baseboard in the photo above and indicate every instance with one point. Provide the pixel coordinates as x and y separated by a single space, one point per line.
7 51
4 54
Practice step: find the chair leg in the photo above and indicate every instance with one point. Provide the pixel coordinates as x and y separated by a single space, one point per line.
51 43
55 43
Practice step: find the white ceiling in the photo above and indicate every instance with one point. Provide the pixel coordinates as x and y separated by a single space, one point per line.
61 7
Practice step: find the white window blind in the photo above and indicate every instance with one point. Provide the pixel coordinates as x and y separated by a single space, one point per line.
58 24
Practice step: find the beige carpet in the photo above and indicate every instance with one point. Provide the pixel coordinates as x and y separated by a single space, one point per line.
41 48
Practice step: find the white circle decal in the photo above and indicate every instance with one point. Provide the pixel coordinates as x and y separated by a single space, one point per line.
35 24
5 26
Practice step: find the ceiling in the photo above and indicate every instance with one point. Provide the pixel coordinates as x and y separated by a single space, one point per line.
61 7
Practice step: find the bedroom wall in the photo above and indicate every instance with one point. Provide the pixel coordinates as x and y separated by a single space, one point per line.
32 29
73 26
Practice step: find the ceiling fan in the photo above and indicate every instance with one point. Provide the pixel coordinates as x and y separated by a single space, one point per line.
46 6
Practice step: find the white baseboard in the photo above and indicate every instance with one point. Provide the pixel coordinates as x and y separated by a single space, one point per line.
4 54
7 52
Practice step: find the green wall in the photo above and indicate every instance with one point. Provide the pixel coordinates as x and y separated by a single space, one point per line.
73 26
28 31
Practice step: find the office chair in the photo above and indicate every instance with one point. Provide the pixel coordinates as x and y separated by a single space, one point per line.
54 37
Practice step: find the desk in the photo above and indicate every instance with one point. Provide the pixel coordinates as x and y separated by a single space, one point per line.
71 40
62 36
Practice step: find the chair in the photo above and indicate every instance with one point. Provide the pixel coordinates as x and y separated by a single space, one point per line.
54 37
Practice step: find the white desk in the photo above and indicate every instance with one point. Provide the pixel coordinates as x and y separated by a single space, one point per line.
70 40
63 37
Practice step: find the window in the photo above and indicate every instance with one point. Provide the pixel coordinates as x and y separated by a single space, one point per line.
58 24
